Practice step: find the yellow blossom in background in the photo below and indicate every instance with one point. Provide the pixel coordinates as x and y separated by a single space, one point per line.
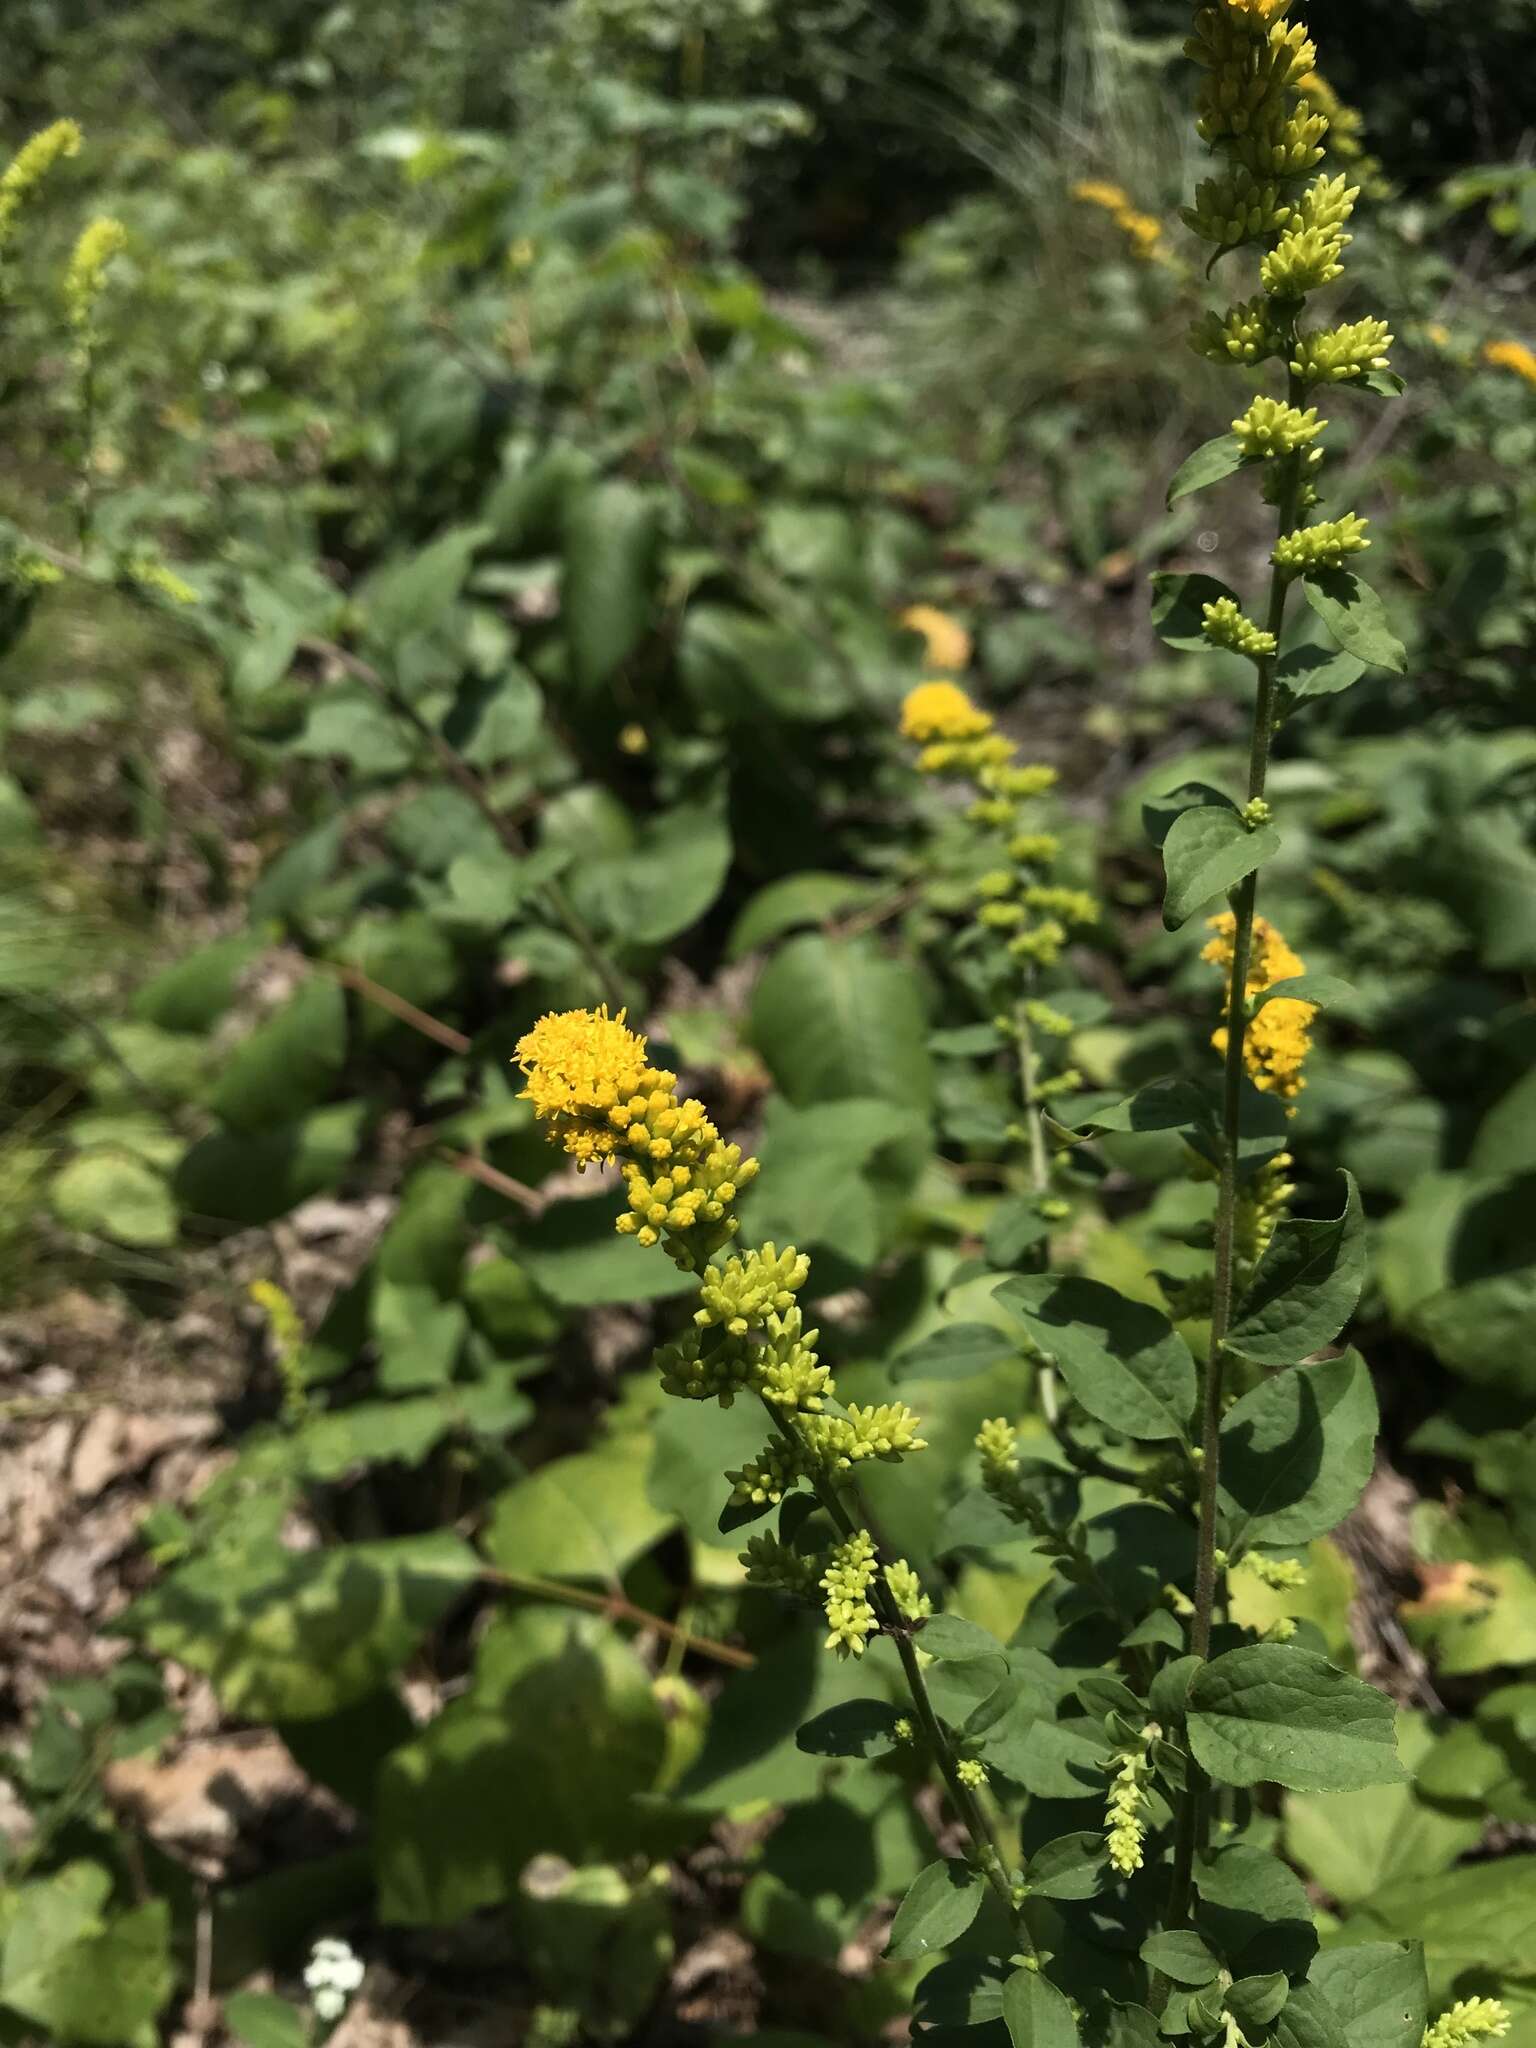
634 739
1512 355
942 711
1144 230
31 163
947 641
1278 1039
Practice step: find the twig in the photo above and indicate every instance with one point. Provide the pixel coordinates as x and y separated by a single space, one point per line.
397 1006
616 1608
491 1177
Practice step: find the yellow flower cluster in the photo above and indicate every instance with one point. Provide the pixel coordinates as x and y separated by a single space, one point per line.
32 163
101 240
1225 624
1512 355
1245 333
1469 2019
1336 354
850 1573
1325 546
1262 1205
588 1078
947 642
1271 428
1144 231
1278 1039
1125 1829
955 734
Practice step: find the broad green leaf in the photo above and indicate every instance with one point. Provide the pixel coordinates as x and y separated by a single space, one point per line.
1326 991
1181 1955
409 596
1071 1867
1211 462
584 1517
1051 1759
1159 812
936 1911
811 898
1207 852
287 1636
865 1728
1378 1991
579 1260
260 2019
112 1194
544 1755
1273 1714
287 883
1506 1138
1356 617
1037 2014
1254 2001
1014 1228
1306 1287
1485 1330
955 1351
612 542
1178 607
1475 1918
1123 1361
836 1018
664 881
1311 671
951 1636
230 1177
194 994
1165 1105
1307 2020
86 1975
1255 1911
288 1064
1296 1453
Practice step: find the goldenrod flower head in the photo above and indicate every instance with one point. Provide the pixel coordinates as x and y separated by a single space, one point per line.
971 1771
1469 2019
947 641
1303 261
751 1286
1034 849
773 1564
764 1480
1144 230
1324 546
1235 207
1270 427
942 711
286 1329
998 1442
1099 192
1077 906
1280 1574
31 163
1262 1204
1030 778
100 240
1225 624
1276 1041
1511 355
1334 356
579 1066
1245 333
634 739
155 576
846 1582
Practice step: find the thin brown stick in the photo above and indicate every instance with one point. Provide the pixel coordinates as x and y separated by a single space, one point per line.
616 1608
397 1006
491 1177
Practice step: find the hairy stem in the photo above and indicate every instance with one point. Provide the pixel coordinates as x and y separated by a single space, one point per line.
1029 1081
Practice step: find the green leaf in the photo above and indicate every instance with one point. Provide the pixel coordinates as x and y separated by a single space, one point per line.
1254 2001
1312 671
288 1064
229 1177
1211 463
194 994
1207 852
1385 383
1051 1759
1273 1714
1181 1955
1353 1843
664 881
1308 2020
1070 1867
579 1260
1165 1105
1306 1288
955 1352
810 898
1159 812
1324 990
951 1636
865 1728
588 1516
611 551
1013 1229
1178 607
1037 2014
112 1194
1296 1453
85 1975
263 2020
294 1636
298 872
1378 1991
409 596
1355 615
1123 1361
937 1910
836 1018
1476 1918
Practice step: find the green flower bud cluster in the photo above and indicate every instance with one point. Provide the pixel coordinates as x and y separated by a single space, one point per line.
30 165
1236 207
1249 105
1125 1829
691 1372
1468 2020
1270 428
1324 546
1280 1574
850 1573
778 1568
749 1287
1334 355
906 1590
787 1371
1302 261
764 1480
971 1771
1245 333
1053 1023
1226 625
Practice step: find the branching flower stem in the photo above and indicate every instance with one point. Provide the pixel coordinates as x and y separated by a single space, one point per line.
1194 1817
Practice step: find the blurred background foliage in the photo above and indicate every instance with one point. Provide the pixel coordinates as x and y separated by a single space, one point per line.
553 409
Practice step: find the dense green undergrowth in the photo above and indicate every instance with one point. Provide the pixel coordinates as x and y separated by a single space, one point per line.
448 583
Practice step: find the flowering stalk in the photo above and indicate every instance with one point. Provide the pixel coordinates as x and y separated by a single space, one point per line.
1263 119
590 1082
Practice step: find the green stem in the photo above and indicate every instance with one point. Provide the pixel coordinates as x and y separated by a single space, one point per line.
973 1818
1195 1812
1029 1081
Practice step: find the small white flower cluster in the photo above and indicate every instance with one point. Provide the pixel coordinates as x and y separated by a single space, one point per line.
333 1974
